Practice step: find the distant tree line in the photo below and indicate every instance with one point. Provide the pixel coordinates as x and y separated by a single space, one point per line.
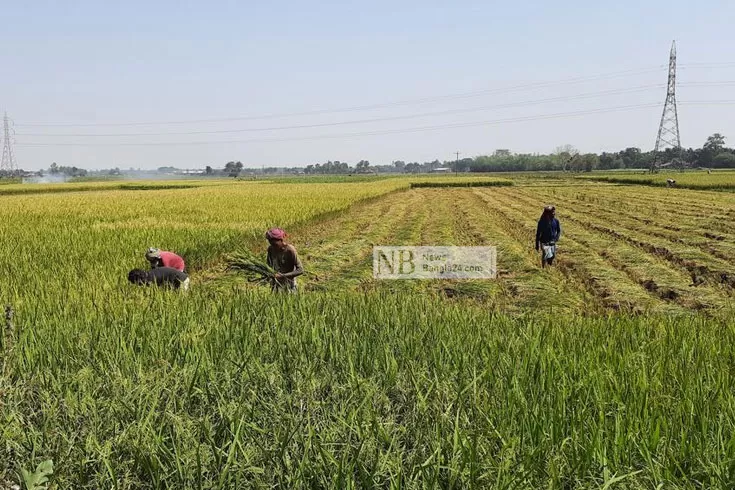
55 169
712 154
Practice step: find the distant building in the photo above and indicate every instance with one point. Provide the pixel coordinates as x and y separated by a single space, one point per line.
189 172
442 170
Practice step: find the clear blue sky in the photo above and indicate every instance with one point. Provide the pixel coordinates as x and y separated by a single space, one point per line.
100 63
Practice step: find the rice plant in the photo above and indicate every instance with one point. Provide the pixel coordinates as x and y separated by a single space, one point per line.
534 381
255 269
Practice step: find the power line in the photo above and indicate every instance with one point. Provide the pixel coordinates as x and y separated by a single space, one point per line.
478 93
705 64
367 133
369 120
390 118
386 132
708 102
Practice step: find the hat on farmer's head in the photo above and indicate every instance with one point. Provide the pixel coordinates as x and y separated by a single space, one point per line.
275 234
153 253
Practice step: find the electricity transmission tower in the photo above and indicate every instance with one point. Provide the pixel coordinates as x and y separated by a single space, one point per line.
8 163
668 130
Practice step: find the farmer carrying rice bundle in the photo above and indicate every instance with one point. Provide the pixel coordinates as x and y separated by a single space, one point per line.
282 257
548 232
161 258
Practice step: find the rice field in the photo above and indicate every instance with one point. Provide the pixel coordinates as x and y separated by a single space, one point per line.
723 180
18 188
611 370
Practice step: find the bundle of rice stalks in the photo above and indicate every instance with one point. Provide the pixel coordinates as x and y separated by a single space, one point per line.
255 269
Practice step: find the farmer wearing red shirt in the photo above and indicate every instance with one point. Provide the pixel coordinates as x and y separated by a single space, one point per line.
160 258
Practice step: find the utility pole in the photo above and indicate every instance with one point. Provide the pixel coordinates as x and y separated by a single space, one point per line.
456 163
668 129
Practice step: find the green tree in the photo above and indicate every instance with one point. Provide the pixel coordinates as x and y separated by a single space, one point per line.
631 157
589 162
724 160
610 161
233 169
714 143
564 155
711 148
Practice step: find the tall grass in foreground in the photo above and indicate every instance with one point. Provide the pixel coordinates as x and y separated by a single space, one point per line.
222 390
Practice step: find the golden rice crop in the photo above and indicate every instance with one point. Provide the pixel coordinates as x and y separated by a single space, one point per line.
232 387
693 179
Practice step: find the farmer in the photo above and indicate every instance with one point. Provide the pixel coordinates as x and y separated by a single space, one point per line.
548 232
283 258
160 258
160 276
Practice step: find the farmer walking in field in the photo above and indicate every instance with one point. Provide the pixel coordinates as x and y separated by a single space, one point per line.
548 232
160 276
161 258
282 257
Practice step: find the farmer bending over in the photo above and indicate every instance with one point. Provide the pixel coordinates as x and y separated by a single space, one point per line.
160 258
548 232
283 258
160 276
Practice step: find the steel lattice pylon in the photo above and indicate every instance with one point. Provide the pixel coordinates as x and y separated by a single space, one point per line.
668 130
8 163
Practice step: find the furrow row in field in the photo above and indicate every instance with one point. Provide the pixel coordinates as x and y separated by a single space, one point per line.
699 265
338 251
675 218
432 217
718 181
522 230
613 287
688 204
437 227
520 283
401 230
684 256
714 253
633 267
625 260
689 201
657 276
323 237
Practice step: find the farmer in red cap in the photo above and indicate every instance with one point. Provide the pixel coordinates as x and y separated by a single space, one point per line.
283 258
160 258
